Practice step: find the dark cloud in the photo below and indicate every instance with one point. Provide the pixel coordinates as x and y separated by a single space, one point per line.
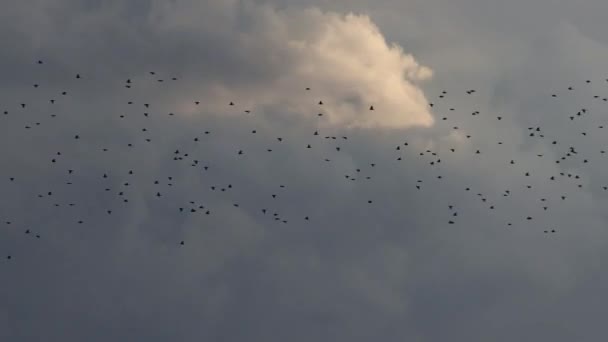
390 270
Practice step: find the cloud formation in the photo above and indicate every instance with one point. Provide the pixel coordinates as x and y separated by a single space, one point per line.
390 271
343 57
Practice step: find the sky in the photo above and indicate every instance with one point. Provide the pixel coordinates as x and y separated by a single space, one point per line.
332 266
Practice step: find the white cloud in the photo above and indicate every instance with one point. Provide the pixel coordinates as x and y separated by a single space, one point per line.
345 59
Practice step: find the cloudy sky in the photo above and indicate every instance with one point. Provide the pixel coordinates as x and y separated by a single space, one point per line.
394 269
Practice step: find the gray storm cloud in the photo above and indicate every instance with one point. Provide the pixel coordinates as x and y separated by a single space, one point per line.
393 270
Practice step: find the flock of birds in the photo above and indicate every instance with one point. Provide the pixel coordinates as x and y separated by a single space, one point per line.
192 207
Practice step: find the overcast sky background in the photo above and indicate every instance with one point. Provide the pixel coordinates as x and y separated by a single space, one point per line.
390 271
